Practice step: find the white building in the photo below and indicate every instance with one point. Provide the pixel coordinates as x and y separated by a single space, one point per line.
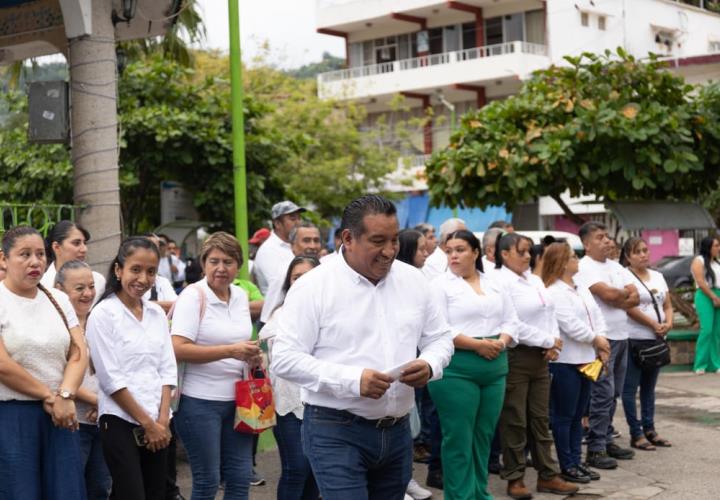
472 51
469 52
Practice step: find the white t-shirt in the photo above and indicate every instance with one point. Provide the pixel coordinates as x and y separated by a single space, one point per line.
35 336
614 275
222 323
659 289
271 261
714 267
48 281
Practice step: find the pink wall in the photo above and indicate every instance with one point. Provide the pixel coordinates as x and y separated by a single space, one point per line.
562 223
661 243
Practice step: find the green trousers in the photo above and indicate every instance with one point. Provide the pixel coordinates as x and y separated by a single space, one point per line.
707 348
525 416
468 399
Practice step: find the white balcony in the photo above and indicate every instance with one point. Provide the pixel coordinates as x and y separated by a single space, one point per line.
477 65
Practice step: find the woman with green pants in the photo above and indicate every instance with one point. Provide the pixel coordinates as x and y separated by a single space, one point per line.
706 271
470 395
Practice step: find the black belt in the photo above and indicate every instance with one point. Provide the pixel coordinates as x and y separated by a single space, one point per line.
523 347
380 423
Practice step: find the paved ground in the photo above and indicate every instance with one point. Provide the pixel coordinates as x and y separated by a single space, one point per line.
688 414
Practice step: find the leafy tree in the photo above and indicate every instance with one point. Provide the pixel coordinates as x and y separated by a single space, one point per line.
604 125
175 125
329 62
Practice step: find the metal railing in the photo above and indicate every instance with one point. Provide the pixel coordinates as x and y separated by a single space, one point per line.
41 217
458 56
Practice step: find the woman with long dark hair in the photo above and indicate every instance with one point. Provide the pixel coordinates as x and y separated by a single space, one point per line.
296 478
135 365
67 241
413 248
42 362
705 269
524 420
650 320
470 395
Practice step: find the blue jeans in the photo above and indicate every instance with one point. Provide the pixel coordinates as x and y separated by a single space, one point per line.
569 393
603 397
213 447
97 475
296 480
645 379
37 460
353 459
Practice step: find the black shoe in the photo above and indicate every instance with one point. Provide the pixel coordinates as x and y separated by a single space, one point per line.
600 460
594 476
620 453
575 475
434 479
494 467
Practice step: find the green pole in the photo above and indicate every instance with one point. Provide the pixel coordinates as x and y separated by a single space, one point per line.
238 134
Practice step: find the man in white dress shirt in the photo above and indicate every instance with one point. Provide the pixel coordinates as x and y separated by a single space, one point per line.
304 240
488 243
436 263
612 288
275 254
348 334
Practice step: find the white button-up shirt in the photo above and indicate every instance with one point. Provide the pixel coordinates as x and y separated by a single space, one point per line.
489 268
537 325
472 314
335 323
271 261
130 354
580 321
614 275
435 264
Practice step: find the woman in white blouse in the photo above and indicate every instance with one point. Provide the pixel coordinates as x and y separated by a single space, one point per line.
296 478
67 241
582 330
42 362
525 414
211 331
649 321
75 278
469 396
135 366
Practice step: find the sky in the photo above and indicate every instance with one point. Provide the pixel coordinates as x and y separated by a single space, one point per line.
288 26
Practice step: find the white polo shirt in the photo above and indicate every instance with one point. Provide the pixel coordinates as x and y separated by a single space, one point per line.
223 323
614 275
130 354
271 261
335 323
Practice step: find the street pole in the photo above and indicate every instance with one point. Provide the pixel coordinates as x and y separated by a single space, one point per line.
238 135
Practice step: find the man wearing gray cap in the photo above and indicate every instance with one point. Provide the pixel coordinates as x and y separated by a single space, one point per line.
275 254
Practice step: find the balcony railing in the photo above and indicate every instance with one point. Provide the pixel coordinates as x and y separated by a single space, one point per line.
435 60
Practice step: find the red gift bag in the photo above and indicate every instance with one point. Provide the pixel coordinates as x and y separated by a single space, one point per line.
254 406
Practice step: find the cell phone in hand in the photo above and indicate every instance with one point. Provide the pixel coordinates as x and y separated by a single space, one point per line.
139 435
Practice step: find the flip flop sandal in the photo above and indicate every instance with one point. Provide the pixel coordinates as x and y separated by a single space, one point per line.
656 440
642 444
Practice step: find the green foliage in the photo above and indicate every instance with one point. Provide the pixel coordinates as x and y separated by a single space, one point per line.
605 125
175 125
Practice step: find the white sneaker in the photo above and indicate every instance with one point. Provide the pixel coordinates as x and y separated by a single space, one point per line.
416 492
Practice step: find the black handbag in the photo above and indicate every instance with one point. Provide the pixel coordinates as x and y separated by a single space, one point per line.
654 353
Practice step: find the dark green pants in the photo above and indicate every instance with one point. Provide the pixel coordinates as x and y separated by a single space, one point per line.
525 415
707 348
468 399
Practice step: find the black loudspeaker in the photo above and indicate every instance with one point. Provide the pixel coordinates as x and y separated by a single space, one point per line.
48 113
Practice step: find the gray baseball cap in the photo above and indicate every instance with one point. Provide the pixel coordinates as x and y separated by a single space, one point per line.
284 208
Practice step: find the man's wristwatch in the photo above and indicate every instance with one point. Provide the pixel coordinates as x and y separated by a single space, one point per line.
65 394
